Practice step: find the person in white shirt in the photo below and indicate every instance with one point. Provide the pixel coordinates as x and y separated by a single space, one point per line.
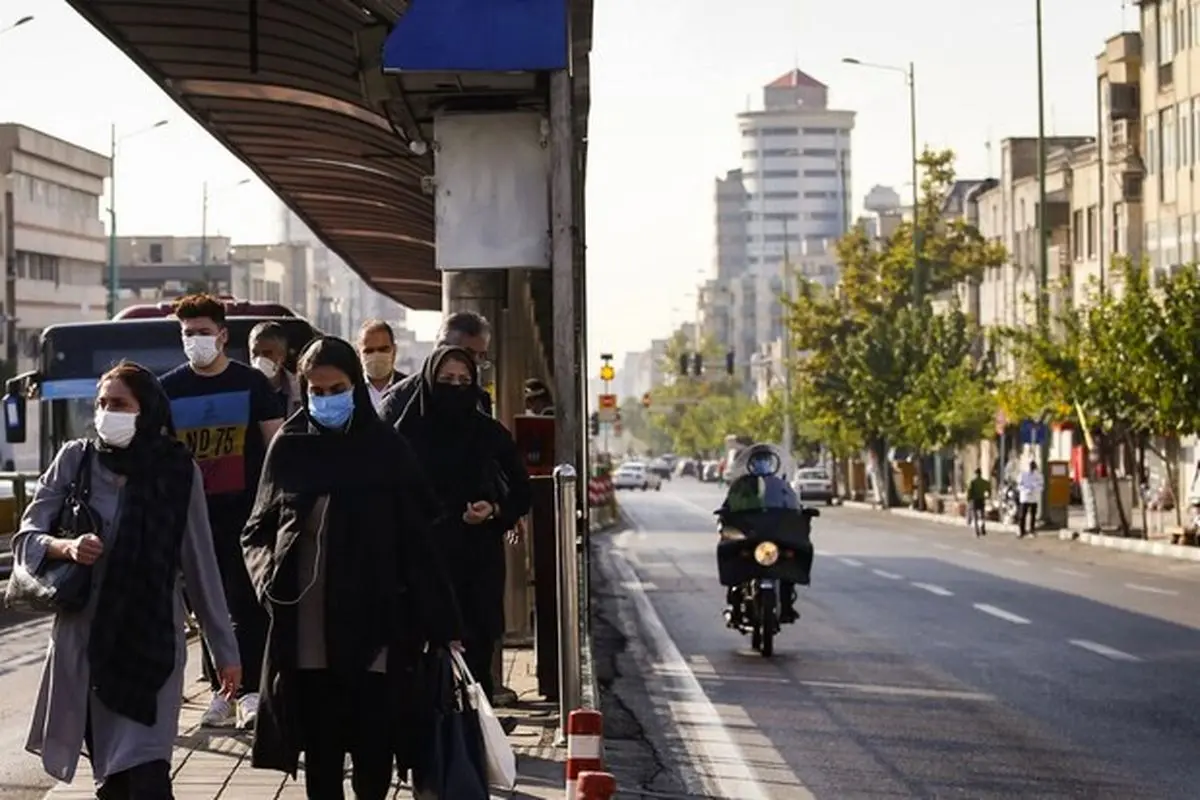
1029 487
377 349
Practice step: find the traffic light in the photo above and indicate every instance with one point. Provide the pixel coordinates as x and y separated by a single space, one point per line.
594 424
729 363
607 373
697 364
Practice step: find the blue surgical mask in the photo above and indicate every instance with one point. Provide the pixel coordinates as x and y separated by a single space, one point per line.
331 410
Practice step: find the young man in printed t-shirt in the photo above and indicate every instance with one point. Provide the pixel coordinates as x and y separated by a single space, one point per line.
226 412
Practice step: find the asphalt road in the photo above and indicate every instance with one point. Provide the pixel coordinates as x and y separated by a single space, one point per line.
23 642
926 664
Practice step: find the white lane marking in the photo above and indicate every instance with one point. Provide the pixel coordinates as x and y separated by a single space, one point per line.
941 546
850 562
1072 572
975 553
1016 562
727 771
1105 650
933 588
1000 613
891 576
900 691
1137 587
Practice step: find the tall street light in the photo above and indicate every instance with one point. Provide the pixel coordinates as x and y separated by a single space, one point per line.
910 76
1043 308
204 225
22 21
113 276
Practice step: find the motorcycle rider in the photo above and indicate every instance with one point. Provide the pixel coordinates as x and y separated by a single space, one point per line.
748 493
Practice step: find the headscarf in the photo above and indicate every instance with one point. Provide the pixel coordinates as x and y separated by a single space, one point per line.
132 645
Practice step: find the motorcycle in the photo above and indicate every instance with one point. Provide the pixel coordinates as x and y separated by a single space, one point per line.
765 548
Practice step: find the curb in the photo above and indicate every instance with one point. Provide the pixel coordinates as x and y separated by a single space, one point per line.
1137 546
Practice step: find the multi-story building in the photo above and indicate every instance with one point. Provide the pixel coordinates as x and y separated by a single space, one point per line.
729 251
58 239
159 268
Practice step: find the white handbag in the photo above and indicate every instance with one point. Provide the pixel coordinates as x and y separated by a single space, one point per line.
501 760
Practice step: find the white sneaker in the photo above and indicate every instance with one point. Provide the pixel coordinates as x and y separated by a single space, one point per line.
219 713
247 711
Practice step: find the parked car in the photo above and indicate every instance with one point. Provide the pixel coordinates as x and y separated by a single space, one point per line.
687 468
661 468
635 475
710 471
813 484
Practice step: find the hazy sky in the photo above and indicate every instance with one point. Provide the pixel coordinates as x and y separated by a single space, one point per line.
668 76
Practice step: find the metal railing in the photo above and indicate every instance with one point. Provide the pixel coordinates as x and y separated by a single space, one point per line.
570 637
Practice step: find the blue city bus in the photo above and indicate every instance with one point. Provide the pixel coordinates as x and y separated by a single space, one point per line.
74 355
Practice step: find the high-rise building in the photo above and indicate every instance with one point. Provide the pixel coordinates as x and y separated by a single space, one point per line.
788 203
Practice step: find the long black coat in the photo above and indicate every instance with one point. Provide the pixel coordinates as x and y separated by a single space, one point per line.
396 595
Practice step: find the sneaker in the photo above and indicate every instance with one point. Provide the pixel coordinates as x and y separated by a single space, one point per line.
219 713
247 711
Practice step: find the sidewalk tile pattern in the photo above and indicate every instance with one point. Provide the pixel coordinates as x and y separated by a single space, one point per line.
215 764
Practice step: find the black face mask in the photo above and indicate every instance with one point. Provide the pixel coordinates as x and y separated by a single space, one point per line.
455 400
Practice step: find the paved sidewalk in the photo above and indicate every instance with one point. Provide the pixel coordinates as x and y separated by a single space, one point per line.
211 764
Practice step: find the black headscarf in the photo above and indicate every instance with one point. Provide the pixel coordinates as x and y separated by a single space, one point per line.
131 649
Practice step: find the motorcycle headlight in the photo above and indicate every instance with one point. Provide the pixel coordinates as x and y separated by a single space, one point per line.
766 554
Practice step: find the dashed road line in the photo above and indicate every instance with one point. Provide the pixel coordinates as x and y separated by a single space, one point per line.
891 576
933 588
1074 573
1016 562
1137 587
941 546
975 554
850 562
1105 650
1000 613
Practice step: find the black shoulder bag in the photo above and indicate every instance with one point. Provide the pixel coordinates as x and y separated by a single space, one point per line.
61 587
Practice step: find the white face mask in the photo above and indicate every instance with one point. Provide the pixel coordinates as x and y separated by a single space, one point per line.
266 366
378 365
200 350
116 428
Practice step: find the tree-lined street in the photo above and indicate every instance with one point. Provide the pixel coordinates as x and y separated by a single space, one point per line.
926 663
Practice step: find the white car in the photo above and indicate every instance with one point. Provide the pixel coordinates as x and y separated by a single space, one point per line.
635 475
813 484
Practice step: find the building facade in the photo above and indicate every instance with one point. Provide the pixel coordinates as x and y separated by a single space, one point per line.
58 240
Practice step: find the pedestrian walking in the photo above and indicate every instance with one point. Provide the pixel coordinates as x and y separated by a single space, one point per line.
978 493
226 413
377 348
269 348
464 329
538 400
1030 488
114 673
472 464
341 553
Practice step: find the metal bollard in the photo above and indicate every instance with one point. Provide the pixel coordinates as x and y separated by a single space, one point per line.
567 528
585 745
596 786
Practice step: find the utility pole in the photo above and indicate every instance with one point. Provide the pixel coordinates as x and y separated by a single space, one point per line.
10 279
113 288
1042 429
786 342
918 261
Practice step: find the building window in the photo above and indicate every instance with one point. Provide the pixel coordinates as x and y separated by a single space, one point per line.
156 253
820 131
818 152
820 173
777 152
1092 231
780 131
38 267
1169 160
1185 135
781 173
780 195
1183 30
749 133
1151 146
1118 229
820 195
824 216
1166 33
1077 235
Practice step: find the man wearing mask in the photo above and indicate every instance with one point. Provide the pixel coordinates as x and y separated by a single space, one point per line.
537 399
226 412
1030 488
268 354
464 329
377 350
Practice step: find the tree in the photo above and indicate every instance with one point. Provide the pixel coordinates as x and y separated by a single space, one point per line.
683 402
865 344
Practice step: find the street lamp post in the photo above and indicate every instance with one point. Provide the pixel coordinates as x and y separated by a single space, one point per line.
910 76
1043 303
113 269
204 229
22 21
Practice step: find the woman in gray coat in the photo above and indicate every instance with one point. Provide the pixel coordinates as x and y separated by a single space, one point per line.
113 677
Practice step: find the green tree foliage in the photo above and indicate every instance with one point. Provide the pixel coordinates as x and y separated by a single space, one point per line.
878 367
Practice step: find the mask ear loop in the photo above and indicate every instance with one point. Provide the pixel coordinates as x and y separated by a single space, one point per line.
316 567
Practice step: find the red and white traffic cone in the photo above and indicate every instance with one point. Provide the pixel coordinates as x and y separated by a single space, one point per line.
585 745
597 786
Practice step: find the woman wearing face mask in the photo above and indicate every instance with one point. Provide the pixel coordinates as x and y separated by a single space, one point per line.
113 677
340 553
473 465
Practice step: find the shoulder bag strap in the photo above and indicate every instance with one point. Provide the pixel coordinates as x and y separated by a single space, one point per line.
81 486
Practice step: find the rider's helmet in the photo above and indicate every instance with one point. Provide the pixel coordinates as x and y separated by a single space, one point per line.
758 480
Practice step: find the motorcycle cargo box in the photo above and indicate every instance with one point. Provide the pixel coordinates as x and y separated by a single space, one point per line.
790 531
